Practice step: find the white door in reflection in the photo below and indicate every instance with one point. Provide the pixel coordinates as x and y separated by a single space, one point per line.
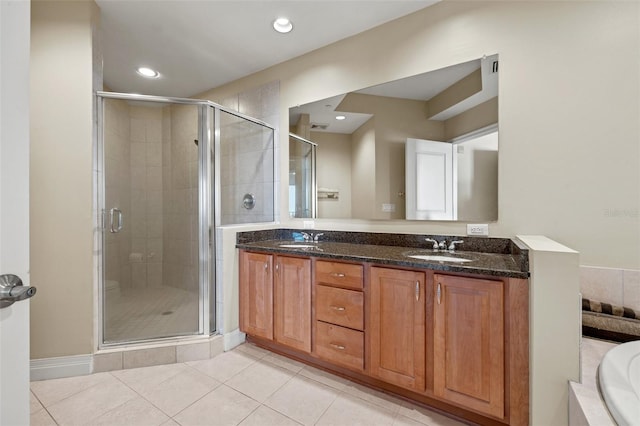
429 180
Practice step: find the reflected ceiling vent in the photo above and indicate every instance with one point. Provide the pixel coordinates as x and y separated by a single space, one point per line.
319 126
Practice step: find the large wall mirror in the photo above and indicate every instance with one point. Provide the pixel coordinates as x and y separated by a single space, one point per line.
419 148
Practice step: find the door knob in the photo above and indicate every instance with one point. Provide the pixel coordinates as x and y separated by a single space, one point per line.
12 290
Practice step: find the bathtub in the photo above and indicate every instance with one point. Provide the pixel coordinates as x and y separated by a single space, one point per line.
619 378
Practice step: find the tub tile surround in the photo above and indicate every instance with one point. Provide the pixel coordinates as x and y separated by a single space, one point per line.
491 256
619 287
222 390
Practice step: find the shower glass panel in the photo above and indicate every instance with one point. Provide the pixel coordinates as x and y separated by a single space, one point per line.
246 170
302 177
151 286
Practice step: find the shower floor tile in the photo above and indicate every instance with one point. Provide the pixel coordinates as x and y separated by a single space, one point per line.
148 313
187 394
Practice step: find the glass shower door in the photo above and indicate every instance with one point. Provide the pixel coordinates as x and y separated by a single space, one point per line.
151 286
302 178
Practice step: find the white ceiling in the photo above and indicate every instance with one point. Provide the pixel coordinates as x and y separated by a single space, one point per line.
199 45
421 87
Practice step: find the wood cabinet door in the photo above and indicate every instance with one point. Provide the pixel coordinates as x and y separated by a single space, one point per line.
292 307
397 327
256 294
469 343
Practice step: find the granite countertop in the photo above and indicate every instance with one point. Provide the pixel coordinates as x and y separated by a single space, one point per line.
494 264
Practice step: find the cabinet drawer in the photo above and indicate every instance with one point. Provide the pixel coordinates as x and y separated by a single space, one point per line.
340 306
340 345
340 274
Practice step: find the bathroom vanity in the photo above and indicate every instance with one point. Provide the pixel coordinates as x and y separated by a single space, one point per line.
448 329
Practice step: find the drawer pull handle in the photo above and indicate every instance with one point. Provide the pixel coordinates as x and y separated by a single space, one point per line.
439 293
338 308
338 274
337 346
417 291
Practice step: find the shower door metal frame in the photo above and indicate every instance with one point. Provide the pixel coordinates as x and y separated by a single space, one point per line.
206 262
209 215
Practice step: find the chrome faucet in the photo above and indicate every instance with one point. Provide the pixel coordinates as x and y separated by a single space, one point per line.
316 238
452 246
431 240
442 245
307 237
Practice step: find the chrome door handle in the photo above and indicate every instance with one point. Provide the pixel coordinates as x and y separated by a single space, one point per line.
112 214
12 290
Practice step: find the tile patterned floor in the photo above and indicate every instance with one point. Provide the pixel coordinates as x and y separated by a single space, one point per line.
247 386
151 312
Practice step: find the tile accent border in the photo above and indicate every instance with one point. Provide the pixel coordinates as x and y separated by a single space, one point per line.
610 285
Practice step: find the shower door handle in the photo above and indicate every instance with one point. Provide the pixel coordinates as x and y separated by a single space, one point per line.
113 213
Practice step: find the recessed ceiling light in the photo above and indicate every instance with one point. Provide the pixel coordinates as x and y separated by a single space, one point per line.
148 72
282 25
340 117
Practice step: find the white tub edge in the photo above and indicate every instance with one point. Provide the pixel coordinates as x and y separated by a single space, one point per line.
618 368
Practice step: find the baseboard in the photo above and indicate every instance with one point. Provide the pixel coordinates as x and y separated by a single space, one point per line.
233 339
65 366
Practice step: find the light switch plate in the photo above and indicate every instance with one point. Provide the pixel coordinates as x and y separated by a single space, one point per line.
308 224
389 208
477 229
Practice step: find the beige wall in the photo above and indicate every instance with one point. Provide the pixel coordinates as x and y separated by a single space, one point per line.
363 160
333 171
61 217
569 164
477 175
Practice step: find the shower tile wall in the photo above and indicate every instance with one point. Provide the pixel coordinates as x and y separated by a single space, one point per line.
180 206
146 196
247 155
118 189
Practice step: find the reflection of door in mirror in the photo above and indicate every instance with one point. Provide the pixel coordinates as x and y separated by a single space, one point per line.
455 180
302 177
429 180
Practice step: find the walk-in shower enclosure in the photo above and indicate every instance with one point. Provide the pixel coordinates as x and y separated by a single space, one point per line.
169 171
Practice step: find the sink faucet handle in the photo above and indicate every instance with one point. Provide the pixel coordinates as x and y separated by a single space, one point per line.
316 238
431 240
452 246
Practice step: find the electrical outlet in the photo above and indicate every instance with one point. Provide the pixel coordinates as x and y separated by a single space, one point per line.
477 229
388 208
308 224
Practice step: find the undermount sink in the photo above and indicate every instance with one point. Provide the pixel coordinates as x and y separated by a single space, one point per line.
438 258
297 245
